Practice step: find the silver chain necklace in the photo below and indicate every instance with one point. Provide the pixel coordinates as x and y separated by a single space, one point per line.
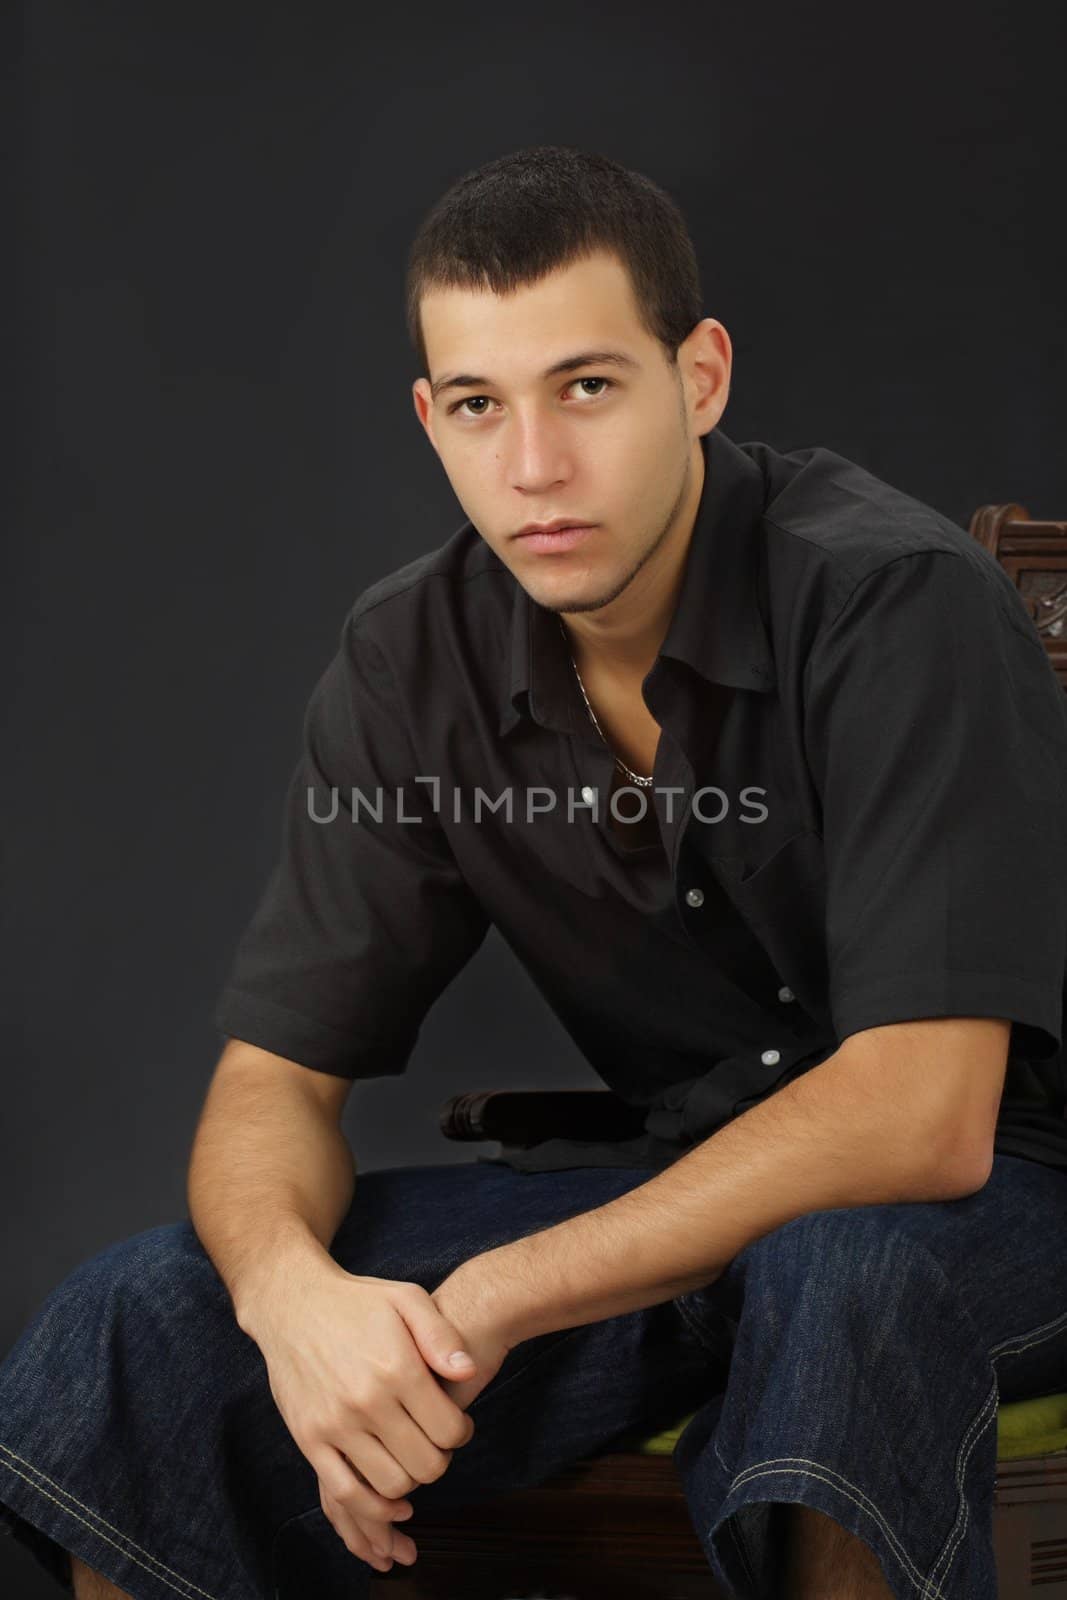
634 777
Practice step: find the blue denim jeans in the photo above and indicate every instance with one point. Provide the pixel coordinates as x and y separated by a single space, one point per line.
851 1359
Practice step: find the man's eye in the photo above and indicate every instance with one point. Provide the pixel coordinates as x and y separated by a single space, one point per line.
609 383
468 401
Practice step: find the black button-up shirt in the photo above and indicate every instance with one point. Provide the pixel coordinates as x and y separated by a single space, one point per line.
860 815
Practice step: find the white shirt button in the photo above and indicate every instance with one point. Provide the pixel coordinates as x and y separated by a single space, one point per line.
771 1058
694 897
786 993
588 795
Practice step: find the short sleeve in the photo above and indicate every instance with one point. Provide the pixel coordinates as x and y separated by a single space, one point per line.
936 733
365 917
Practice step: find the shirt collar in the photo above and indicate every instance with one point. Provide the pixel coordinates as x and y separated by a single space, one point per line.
716 628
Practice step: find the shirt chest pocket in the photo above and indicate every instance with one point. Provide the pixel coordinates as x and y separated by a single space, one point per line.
782 898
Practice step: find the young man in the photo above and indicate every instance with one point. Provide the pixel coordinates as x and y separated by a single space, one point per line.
759 766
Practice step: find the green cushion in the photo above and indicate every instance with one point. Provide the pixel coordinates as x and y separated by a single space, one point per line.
1024 1428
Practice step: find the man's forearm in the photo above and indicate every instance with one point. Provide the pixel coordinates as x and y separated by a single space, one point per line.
833 1137
271 1176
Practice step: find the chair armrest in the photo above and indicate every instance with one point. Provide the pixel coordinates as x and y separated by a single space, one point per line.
527 1116
1034 555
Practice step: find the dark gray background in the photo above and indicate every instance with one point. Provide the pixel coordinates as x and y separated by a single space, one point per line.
221 451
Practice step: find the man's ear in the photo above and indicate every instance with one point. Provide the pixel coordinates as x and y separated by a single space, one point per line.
423 402
706 360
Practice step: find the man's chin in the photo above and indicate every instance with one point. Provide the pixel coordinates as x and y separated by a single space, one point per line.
569 606
578 603
575 597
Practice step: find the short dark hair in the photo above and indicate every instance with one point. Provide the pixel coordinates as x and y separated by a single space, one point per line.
517 218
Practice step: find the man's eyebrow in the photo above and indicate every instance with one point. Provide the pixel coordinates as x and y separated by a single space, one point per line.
585 358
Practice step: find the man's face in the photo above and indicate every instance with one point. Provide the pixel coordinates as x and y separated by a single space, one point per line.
614 444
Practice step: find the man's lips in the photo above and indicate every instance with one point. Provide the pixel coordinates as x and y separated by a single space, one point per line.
557 539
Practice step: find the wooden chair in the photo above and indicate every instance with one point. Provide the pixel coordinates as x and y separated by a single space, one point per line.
617 1525
1034 554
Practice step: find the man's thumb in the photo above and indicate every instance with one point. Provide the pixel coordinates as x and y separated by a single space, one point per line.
441 1346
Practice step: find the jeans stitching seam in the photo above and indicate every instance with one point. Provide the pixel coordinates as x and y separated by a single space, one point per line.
828 1475
1021 1341
985 1414
190 1587
1045 1329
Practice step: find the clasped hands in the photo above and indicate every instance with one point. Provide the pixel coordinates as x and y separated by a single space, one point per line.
382 1411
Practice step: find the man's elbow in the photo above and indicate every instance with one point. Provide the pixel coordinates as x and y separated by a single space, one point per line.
942 1079
958 1163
